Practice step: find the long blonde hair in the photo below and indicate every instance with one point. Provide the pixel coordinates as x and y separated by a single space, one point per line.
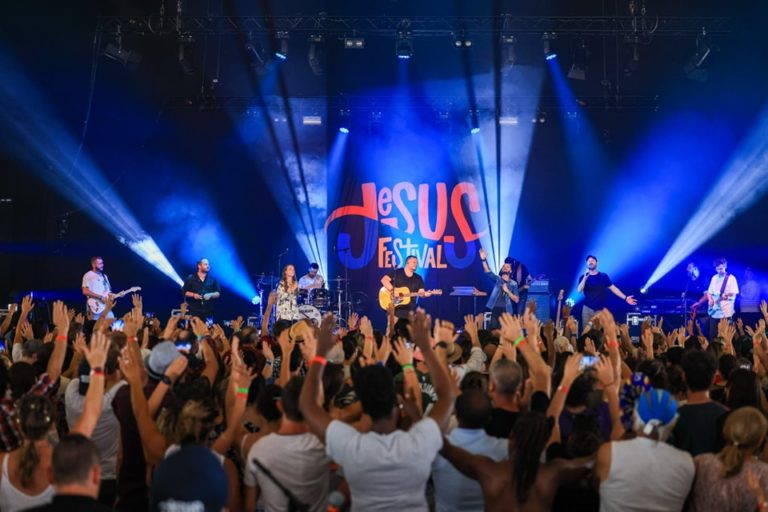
744 430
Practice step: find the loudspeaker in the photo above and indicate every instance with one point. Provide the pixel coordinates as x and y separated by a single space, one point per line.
543 306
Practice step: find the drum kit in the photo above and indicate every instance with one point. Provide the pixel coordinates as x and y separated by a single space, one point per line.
314 303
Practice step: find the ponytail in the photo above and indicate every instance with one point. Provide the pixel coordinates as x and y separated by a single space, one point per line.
732 458
30 458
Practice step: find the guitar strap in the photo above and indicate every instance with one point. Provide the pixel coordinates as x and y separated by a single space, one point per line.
725 282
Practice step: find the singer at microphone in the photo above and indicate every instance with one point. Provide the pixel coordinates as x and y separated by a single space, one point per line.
595 286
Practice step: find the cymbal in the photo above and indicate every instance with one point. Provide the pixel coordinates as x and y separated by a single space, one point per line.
338 280
267 279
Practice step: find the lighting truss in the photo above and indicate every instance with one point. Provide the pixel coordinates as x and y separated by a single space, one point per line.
420 26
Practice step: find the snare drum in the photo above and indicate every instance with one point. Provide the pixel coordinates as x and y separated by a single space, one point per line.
319 298
311 313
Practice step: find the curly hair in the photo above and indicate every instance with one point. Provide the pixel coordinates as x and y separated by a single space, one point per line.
527 442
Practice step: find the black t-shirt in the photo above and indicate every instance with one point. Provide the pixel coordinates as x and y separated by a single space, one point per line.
65 503
696 428
197 307
501 423
413 283
596 290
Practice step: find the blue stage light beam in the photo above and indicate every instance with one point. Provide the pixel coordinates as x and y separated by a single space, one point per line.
741 184
192 226
335 163
33 134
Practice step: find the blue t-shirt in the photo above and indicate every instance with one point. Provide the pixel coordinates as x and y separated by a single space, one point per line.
596 290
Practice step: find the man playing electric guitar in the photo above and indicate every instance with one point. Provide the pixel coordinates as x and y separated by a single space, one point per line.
97 289
406 277
721 294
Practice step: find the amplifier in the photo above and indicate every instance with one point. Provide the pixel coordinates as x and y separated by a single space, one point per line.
539 286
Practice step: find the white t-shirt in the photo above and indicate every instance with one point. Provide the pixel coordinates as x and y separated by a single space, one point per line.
731 288
298 462
106 434
454 491
386 472
646 476
97 283
307 282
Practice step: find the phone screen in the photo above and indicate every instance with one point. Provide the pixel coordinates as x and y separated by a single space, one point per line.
183 346
118 325
2 345
587 361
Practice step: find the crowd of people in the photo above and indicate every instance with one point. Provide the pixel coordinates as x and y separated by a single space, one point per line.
415 415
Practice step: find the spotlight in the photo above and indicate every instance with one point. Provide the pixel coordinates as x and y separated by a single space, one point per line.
403 41
312 120
344 129
256 300
546 40
462 41
315 55
354 43
116 52
282 53
509 120
185 42
475 130
696 69
508 44
578 69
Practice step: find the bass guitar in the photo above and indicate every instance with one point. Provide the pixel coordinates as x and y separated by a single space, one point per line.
400 296
97 306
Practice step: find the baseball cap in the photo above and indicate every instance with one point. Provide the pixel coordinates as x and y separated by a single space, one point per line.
161 358
190 479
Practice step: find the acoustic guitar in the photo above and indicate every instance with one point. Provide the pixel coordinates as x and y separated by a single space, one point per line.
400 296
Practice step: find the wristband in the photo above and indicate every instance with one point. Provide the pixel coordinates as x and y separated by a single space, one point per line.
61 337
319 359
408 366
133 338
269 362
562 388
97 371
166 380
241 395
612 343
200 338
242 390
518 341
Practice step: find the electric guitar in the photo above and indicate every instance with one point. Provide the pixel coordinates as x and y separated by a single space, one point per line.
722 305
559 306
400 296
97 306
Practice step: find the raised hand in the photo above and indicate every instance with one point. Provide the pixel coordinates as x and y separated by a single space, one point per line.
444 331
26 330
198 326
183 310
96 355
604 371
26 306
131 366
366 328
470 328
384 350
237 323
631 300
510 327
266 350
419 327
400 351
309 347
647 339
325 338
589 346
352 321
60 318
572 369
482 254
79 345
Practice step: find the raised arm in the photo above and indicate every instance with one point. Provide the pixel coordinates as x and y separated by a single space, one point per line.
484 261
61 321
629 299
316 417
96 356
419 328
26 307
5 327
153 443
404 357
470 465
240 382
512 332
271 298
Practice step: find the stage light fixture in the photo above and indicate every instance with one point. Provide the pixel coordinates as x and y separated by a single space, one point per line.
282 52
403 40
354 43
547 39
696 68
475 130
344 129
508 42
312 120
578 69
185 44
116 51
462 41
316 54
